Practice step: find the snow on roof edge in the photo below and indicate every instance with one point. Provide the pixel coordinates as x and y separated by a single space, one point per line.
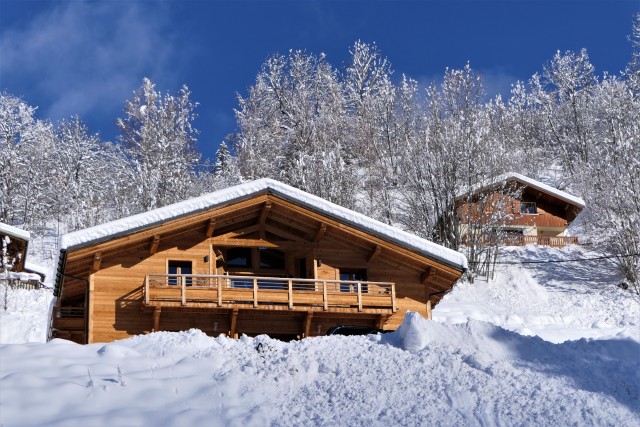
529 181
36 268
14 231
218 198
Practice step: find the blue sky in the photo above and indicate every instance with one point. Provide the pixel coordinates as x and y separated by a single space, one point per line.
86 57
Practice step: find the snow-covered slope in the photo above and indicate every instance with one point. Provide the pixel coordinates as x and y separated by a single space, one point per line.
457 370
425 373
556 301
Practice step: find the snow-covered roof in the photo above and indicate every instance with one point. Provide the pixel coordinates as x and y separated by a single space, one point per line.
511 176
36 268
246 190
20 275
14 231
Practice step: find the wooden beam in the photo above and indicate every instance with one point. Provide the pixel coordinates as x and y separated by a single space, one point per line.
263 218
238 232
90 306
381 321
156 318
284 234
427 275
211 227
314 254
154 244
429 314
375 254
97 259
307 324
233 332
320 233
211 260
256 243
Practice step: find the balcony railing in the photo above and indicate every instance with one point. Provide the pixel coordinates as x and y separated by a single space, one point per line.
198 290
521 240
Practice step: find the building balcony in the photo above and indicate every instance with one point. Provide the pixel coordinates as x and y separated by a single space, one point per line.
268 293
512 239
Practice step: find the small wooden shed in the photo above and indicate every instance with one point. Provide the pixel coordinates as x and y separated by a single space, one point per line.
14 268
260 257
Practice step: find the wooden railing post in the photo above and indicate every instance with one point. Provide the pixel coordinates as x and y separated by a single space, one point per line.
219 285
290 294
255 292
183 290
393 297
324 296
146 289
359 296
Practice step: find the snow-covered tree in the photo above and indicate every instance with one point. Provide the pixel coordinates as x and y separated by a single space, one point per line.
159 137
25 156
292 127
565 93
633 70
91 177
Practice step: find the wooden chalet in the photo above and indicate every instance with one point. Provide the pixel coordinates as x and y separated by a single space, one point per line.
257 258
540 214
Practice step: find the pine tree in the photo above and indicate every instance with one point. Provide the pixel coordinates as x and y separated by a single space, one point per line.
222 166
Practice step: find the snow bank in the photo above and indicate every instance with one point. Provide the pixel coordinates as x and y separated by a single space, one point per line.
424 373
239 192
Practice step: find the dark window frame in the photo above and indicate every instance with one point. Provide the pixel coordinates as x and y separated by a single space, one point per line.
528 208
271 254
347 287
241 253
175 264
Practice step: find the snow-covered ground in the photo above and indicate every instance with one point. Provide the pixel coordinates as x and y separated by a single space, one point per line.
555 301
452 371
26 316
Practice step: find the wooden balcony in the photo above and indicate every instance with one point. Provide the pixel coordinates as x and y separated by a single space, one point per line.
270 293
521 240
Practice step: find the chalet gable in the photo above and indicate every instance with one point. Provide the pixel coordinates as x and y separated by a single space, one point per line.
197 209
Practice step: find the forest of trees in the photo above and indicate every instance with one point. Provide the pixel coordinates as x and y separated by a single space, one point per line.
363 137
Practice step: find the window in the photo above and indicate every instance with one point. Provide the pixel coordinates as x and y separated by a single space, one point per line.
179 267
528 208
239 257
353 275
271 259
